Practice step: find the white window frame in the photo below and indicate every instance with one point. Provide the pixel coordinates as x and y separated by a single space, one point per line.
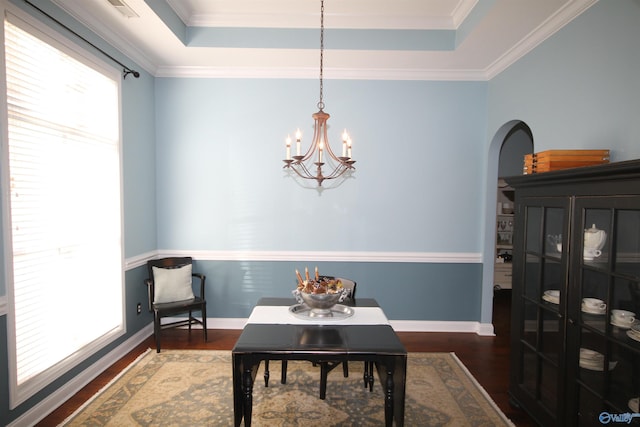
19 394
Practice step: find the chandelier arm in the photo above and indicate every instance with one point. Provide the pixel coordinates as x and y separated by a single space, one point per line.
338 171
307 175
331 153
309 154
304 171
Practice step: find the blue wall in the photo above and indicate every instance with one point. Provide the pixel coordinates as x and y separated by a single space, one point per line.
222 186
580 88
220 145
407 291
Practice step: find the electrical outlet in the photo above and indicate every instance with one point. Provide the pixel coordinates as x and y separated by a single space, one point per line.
139 308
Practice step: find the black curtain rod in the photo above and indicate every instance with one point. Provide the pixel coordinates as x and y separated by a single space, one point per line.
125 70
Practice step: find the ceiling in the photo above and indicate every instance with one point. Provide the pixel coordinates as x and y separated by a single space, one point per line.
364 39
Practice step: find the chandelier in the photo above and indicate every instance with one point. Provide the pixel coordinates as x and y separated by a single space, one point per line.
310 164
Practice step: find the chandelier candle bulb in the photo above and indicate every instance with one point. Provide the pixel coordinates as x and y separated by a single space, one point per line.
345 136
288 147
298 139
349 148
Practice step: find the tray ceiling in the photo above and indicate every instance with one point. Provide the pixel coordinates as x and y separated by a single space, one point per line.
364 39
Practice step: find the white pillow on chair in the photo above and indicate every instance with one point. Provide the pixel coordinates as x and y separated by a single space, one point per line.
172 284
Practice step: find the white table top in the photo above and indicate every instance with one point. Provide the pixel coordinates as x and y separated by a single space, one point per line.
264 314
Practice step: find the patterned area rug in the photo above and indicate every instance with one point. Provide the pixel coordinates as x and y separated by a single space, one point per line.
194 388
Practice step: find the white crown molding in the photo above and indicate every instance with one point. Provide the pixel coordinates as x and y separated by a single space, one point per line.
312 73
563 16
155 67
258 15
545 30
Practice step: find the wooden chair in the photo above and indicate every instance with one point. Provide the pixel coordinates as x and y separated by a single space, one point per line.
329 365
170 289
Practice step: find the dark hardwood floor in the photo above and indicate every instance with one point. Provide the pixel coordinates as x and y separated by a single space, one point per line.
487 358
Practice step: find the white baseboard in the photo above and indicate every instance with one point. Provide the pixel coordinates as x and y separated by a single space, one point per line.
61 395
483 329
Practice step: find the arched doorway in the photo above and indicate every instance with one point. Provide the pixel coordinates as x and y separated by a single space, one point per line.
510 135
517 142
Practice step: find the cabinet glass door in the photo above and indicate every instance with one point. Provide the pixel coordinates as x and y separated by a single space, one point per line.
606 247
539 304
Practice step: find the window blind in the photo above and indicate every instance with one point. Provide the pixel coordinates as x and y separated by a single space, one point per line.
65 297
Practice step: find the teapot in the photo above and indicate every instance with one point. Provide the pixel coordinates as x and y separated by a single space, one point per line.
594 238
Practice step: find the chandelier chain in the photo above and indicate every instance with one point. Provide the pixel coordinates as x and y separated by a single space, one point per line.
321 103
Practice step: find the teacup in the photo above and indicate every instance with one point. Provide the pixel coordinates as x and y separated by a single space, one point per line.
593 304
623 317
590 253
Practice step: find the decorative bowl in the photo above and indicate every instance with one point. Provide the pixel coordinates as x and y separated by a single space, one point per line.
320 294
322 300
320 304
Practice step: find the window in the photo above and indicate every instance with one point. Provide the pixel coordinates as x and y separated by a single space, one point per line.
64 260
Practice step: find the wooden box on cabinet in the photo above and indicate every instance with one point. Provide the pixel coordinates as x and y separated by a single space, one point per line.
572 365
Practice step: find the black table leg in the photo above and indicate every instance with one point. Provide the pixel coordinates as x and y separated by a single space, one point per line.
247 395
365 376
388 398
237 390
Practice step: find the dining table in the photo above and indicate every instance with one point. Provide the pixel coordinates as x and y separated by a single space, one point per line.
276 330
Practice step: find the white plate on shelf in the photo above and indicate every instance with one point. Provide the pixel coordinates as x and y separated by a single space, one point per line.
634 404
594 311
593 365
621 325
552 296
633 335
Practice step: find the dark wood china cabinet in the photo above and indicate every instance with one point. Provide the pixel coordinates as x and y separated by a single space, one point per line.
575 347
